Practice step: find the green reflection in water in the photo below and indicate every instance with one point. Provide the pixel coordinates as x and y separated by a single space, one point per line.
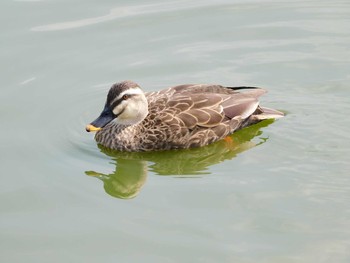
131 167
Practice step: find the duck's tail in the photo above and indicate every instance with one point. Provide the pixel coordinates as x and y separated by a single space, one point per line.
268 113
262 113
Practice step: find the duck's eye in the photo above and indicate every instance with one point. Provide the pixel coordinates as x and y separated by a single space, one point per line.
125 97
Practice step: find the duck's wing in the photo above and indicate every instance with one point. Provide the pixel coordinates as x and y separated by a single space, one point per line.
242 104
203 110
211 105
203 105
196 115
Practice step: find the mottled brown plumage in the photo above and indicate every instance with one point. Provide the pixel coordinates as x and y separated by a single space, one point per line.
179 117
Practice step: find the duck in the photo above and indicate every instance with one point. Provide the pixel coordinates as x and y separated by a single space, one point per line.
179 117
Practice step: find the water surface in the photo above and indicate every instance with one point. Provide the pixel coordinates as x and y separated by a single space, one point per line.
279 192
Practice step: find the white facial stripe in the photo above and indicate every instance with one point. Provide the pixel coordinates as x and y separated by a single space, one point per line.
120 107
134 91
133 110
117 110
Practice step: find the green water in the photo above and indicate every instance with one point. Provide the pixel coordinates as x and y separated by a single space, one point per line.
277 192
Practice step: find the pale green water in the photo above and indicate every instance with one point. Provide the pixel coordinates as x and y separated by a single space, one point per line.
279 193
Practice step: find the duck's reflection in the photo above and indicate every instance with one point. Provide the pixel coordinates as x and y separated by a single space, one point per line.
131 168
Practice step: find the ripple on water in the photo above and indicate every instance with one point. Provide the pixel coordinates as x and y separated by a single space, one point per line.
123 12
69 139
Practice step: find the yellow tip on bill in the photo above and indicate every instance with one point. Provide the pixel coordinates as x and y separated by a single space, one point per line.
92 128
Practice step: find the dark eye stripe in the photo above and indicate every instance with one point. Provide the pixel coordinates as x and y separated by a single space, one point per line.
118 101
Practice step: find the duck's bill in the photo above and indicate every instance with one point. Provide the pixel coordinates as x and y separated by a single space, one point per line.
92 128
106 117
99 123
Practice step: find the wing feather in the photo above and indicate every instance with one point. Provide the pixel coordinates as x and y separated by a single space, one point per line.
243 107
189 119
194 107
202 115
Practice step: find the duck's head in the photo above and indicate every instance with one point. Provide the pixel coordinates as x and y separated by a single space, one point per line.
126 105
